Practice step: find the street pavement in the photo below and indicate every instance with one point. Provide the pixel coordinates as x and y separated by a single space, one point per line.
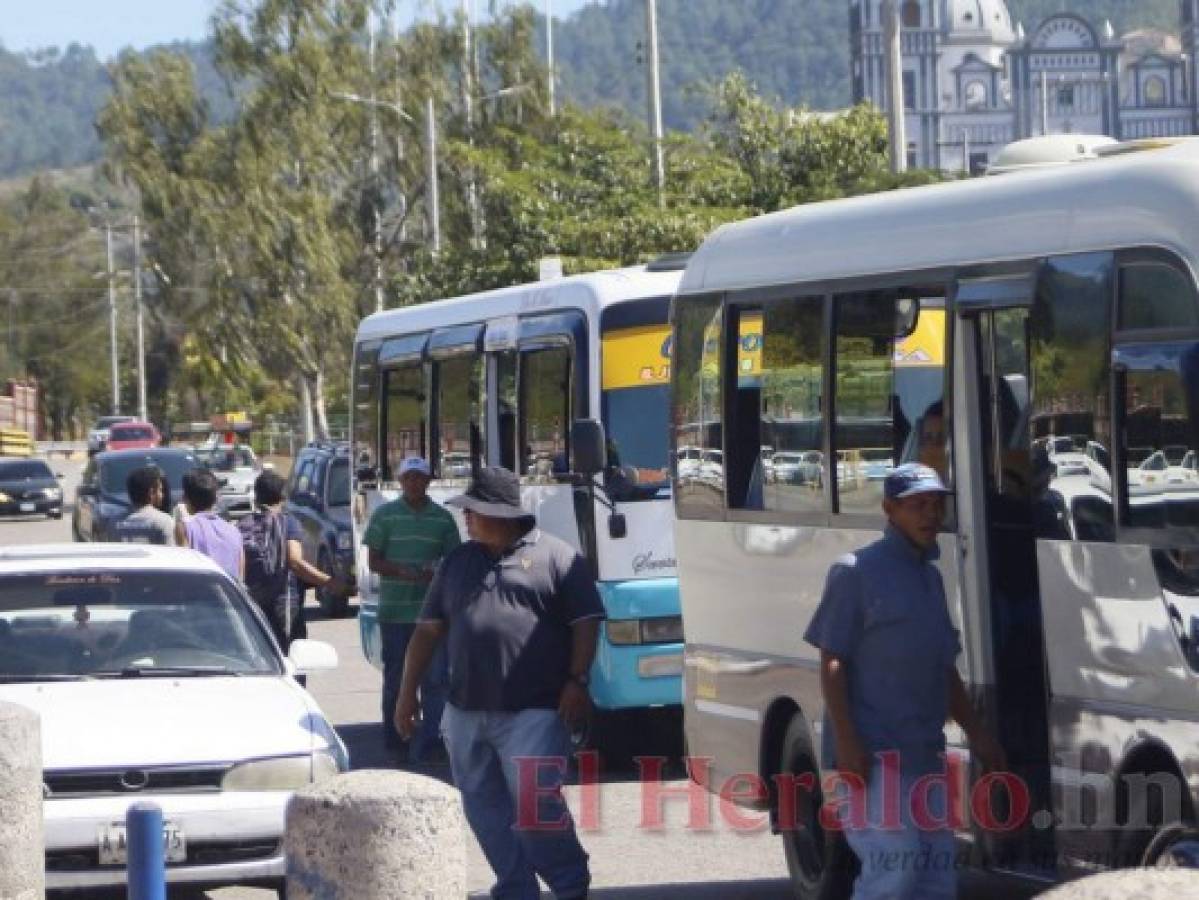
629 862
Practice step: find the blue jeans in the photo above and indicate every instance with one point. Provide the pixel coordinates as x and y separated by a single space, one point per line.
394 637
525 829
900 860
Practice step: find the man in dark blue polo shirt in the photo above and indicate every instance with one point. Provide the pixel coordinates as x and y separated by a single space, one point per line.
887 650
521 614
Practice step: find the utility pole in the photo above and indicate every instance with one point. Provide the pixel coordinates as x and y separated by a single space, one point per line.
399 102
112 322
376 192
432 199
896 108
549 54
655 99
468 115
142 411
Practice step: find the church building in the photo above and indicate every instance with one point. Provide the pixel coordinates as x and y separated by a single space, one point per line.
975 80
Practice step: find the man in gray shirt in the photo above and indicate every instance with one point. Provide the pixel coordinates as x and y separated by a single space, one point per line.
147 524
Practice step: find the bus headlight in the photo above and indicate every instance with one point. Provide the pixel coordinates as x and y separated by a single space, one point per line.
662 630
285 773
624 631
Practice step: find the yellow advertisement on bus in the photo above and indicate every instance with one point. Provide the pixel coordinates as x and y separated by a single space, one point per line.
636 357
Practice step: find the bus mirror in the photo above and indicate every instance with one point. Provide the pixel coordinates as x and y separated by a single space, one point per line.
618 526
588 447
907 314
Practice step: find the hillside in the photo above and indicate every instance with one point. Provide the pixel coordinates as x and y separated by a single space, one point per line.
793 50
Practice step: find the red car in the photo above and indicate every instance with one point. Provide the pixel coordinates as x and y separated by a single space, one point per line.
133 436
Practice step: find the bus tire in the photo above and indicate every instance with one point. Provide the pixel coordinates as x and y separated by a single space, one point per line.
820 863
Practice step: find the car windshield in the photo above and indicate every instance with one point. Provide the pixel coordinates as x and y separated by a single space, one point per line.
114 472
109 421
33 468
229 458
339 483
131 433
128 624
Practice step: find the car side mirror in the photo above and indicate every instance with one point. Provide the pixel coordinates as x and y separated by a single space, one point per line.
312 656
588 447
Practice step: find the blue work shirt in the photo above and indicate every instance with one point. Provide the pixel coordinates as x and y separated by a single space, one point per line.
883 613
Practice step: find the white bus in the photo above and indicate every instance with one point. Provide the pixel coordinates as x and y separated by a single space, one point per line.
499 378
1035 337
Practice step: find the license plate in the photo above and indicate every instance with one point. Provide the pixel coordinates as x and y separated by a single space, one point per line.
28 507
114 849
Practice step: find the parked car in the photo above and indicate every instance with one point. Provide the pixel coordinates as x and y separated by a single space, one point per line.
455 464
319 498
101 499
134 435
97 438
236 467
798 467
156 680
28 486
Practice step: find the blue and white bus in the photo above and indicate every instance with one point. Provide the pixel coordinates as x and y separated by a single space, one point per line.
499 378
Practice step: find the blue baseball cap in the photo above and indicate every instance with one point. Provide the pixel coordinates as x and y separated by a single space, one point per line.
912 478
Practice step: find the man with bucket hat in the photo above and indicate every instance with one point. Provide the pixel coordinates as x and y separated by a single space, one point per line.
887 651
405 539
520 612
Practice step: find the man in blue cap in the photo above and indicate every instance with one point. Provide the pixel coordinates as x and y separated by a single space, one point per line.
887 650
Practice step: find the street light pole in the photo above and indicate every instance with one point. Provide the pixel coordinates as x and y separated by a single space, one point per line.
655 99
143 412
376 192
893 50
549 54
433 200
112 322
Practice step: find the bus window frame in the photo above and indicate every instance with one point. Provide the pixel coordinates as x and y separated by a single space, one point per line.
367 383
566 327
386 476
479 397
1148 255
944 278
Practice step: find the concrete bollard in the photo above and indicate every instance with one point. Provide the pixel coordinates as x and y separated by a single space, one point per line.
376 835
1143 884
22 848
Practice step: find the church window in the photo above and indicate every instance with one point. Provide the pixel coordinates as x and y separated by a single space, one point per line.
1155 91
911 14
976 95
1065 96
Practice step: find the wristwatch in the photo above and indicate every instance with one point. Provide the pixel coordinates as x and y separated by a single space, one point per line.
581 680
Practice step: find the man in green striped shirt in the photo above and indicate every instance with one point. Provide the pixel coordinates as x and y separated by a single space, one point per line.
406 538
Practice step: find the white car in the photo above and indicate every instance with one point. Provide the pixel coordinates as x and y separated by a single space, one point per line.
97 438
157 680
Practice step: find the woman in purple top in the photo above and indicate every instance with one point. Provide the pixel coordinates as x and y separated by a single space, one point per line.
205 531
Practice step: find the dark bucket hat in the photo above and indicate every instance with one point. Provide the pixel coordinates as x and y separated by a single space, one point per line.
493 492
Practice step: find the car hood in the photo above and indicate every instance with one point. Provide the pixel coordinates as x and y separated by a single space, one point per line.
26 484
170 721
241 479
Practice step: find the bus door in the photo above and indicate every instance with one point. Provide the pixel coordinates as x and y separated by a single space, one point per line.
997 540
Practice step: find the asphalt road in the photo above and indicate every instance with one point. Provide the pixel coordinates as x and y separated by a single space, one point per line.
629 861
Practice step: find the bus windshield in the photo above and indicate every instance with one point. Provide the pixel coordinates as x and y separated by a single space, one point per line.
635 406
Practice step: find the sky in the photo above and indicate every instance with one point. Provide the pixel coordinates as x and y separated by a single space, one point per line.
111 25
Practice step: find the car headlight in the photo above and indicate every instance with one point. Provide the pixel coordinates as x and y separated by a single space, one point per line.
284 773
52 493
4 498
345 540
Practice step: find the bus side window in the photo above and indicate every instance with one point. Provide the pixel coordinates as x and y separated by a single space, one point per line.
1069 470
696 397
506 362
545 413
404 416
1155 295
889 388
776 457
459 444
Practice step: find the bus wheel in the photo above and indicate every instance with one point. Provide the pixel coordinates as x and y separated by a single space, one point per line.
821 865
1175 846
